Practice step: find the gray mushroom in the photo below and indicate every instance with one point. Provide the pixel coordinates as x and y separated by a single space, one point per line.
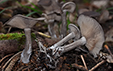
52 14
58 49
93 33
67 7
50 6
74 33
104 16
26 23
109 35
71 46
55 12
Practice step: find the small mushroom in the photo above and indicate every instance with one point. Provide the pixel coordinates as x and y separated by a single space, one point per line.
71 46
74 33
25 23
104 16
50 6
52 14
67 7
91 14
58 49
109 35
93 33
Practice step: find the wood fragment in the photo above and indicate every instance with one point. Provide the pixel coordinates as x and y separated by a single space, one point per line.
83 61
44 35
108 50
5 57
100 63
79 67
10 60
12 63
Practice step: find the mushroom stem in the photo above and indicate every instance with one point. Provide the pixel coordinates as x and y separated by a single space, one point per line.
64 40
67 7
64 24
73 45
27 51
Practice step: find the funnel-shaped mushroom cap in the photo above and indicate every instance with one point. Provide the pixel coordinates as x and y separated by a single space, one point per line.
86 12
91 14
73 28
45 2
69 6
50 6
22 22
93 33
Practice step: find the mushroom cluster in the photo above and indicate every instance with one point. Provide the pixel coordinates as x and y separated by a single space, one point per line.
56 12
89 33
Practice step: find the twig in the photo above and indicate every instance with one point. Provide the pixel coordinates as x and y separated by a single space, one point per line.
79 67
9 29
100 63
5 57
12 63
10 60
42 34
83 61
108 50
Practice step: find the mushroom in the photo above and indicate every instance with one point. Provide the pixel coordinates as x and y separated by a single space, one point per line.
50 6
71 46
52 10
104 16
58 49
52 14
55 12
93 33
25 23
109 35
74 33
67 7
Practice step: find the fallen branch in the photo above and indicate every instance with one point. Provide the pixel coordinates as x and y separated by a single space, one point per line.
1 60
83 61
100 63
16 55
79 67
108 50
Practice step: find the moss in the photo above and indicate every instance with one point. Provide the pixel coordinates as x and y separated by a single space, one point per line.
11 36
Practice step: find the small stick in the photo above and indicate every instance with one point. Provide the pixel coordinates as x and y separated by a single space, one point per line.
79 67
42 34
83 61
108 50
9 29
10 60
5 57
100 63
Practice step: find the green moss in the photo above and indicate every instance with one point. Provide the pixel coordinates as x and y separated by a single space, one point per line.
11 36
